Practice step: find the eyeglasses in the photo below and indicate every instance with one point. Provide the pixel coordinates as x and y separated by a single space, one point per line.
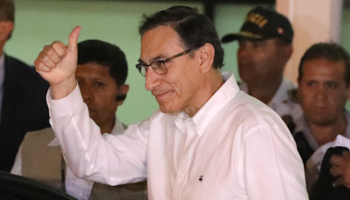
159 66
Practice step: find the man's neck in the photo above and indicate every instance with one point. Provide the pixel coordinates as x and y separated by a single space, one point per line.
212 83
107 127
325 134
264 92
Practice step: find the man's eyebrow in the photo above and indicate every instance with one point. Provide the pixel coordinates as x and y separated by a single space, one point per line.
140 61
161 56
331 81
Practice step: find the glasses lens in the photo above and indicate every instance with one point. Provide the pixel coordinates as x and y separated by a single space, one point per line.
159 67
143 70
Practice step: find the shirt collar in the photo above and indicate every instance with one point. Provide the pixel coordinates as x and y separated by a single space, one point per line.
118 127
204 116
302 126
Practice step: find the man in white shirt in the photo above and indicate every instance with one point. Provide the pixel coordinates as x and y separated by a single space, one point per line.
101 74
207 141
265 46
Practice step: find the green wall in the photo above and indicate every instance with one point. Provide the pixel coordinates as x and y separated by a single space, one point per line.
345 29
39 23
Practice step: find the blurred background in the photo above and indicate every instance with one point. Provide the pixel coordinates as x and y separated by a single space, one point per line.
40 22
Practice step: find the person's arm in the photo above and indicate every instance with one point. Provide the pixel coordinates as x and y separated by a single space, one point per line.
106 159
110 159
341 168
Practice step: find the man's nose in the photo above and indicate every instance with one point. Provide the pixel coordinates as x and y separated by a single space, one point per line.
86 93
242 52
152 79
321 93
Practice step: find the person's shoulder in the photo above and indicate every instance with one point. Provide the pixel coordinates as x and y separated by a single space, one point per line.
24 75
293 95
248 118
46 133
246 107
16 63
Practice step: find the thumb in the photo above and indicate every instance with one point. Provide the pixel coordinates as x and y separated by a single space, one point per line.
73 39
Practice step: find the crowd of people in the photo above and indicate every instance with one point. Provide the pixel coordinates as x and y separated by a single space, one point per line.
212 137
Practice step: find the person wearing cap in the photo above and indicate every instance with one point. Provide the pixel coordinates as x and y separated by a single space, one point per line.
265 46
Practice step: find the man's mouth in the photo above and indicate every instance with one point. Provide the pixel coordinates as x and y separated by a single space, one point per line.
319 107
160 95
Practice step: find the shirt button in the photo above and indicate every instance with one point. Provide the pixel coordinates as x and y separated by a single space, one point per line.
181 176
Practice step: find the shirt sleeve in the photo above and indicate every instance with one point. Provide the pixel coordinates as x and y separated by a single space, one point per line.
109 159
273 166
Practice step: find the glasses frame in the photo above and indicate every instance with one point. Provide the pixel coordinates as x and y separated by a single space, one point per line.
155 69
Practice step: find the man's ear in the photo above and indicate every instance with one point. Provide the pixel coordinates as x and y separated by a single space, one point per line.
206 57
122 91
6 27
288 51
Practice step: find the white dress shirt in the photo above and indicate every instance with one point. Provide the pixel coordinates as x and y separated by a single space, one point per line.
81 188
281 102
235 147
76 187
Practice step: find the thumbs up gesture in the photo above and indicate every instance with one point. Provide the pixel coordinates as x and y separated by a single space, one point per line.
57 63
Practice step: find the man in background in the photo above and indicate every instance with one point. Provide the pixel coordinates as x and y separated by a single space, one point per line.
101 75
265 46
324 78
22 95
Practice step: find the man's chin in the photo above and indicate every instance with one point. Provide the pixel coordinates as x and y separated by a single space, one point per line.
168 110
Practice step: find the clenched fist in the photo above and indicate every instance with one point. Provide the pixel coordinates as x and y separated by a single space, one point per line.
57 64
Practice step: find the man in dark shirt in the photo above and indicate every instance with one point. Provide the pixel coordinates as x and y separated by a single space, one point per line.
22 95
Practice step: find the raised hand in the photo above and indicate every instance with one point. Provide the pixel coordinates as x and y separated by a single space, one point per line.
57 64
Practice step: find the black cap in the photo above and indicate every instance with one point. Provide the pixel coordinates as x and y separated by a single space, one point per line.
263 23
